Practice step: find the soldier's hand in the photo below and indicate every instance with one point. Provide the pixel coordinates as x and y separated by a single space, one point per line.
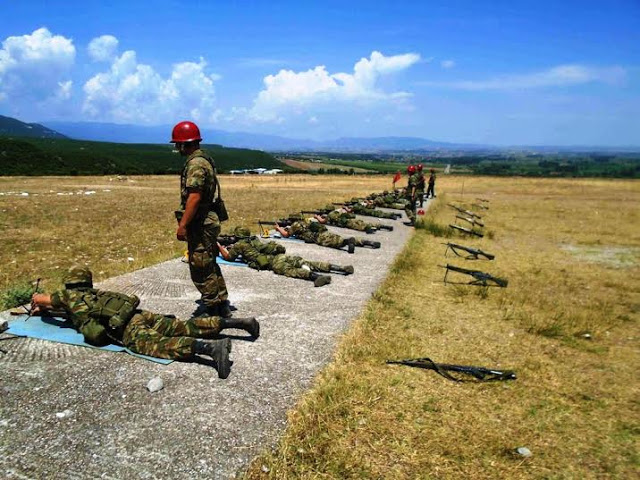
181 233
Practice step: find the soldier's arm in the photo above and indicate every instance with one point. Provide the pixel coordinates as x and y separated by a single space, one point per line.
321 218
283 231
223 251
190 210
40 302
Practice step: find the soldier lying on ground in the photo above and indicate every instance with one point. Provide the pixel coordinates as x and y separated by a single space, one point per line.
394 200
368 209
341 218
312 231
105 317
266 256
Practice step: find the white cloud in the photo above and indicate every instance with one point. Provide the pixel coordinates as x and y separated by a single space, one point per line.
447 64
134 92
313 120
289 90
560 76
36 67
103 48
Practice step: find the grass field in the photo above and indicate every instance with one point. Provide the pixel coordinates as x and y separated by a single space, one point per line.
128 222
315 166
567 323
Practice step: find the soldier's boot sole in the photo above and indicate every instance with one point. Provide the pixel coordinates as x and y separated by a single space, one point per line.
322 280
221 357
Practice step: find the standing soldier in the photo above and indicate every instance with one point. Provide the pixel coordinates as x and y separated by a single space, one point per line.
432 184
410 194
420 186
198 224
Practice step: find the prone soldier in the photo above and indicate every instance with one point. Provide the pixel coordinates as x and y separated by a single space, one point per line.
104 317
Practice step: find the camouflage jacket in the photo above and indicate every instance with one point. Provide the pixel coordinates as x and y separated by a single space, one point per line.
199 174
99 315
307 230
254 253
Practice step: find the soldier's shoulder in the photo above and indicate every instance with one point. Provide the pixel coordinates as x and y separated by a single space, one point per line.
199 162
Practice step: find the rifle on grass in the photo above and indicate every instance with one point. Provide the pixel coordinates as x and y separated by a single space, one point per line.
462 210
472 221
466 230
482 200
481 374
473 253
477 205
480 278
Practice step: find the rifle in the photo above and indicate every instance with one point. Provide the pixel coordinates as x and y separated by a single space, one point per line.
481 278
313 212
473 252
481 374
30 309
483 207
482 199
462 210
466 230
472 221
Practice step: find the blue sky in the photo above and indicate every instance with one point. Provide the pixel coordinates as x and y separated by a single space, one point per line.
505 73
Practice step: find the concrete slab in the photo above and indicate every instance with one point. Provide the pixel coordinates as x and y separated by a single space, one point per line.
73 412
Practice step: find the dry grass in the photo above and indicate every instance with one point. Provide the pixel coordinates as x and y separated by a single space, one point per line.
315 166
132 225
575 403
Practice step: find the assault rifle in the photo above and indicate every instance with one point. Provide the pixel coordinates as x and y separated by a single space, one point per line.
472 221
481 374
473 253
481 278
482 199
314 212
30 309
466 230
477 205
462 210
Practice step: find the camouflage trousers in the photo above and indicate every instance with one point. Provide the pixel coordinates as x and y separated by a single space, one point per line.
166 336
354 224
410 209
291 266
371 212
328 239
203 250
431 190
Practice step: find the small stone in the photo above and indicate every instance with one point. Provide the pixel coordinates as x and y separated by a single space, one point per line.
523 451
265 469
64 414
155 384
130 259
586 336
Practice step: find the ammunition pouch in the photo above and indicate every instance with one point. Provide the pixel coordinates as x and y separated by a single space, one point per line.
112 309
262 262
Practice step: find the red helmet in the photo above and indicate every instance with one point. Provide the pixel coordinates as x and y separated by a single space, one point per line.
185 132
419 167
411 169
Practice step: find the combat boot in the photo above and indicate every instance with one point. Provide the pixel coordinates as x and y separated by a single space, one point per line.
249 325
319 280
347 270
219 351
351 244
369 243
370 230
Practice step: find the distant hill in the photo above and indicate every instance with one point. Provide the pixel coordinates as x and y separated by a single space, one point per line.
13 127
110 132
37 156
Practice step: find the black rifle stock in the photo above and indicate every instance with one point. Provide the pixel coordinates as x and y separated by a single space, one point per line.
480 278
483 207
481 374
466 212
473 253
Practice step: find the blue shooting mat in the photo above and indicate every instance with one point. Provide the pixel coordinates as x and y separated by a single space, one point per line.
57 329
222 261
277 236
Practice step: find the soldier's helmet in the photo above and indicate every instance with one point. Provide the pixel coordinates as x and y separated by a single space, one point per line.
329 207
241 232
185 132
419 167
78 276
411 169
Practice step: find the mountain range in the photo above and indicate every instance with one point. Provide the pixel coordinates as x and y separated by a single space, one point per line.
110 132
13 127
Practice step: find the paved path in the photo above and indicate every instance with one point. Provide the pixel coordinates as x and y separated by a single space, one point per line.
198 426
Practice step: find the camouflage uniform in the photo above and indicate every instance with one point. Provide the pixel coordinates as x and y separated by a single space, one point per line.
410 208
291 266
345 220
431 187
315 232
370 212
202 233
420 188
147 333
268 257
